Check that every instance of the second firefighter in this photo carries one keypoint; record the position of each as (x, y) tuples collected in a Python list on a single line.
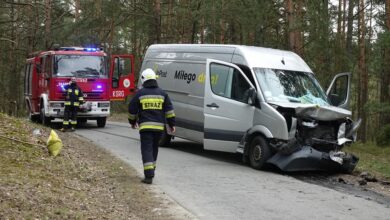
[(73, 99)]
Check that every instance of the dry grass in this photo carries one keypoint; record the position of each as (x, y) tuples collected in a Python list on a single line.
[(83, 182)]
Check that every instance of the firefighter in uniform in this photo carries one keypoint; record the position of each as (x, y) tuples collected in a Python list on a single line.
[(149, 110), (74, 97)]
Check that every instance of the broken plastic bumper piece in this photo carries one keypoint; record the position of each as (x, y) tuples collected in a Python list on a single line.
[(308, 159)]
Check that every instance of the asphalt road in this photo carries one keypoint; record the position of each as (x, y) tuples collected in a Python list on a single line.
[(214, 185)]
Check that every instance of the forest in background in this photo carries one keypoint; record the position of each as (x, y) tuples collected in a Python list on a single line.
[(332, 36)]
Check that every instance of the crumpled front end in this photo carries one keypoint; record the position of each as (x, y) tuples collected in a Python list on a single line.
[(317, 135)]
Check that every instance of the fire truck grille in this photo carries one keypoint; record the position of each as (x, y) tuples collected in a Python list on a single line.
[(89, 95), (93, 95)]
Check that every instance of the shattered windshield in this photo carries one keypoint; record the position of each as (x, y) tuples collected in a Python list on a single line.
[(81, 66), (290, 86)]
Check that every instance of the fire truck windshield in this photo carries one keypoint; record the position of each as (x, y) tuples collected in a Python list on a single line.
[(81, 66)]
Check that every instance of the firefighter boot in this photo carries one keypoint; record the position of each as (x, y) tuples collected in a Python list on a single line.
[(63, 129), (147, 180)]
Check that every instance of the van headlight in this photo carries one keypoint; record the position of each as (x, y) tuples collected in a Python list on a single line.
[(104, 105)]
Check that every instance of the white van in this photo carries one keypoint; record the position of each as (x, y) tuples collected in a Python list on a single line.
[(263, 103)]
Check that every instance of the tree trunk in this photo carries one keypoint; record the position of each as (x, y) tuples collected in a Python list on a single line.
[(202, 29), (77, 10), (339, 38), (344, 20), (134, 30), (385, 82), (195, 23), (170, 21), (294, 16), (351, 5), (298, 30), (48, 24), (157, 18), (363, 75), (30, 28), (77, 16), (112, 33), (290, 21), (339, 17)]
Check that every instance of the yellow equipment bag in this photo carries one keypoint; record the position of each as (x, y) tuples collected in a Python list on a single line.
[(54, 143)]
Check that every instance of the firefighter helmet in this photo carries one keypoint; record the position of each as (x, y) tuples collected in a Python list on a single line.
[(147, 75)]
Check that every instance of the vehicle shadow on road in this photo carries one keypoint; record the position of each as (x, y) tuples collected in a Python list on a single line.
[(197, 149), (80, 125)]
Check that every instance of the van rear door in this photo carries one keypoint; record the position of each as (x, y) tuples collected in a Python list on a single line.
[(122, 77), (227, 114)]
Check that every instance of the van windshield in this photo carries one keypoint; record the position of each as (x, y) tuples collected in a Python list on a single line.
[(290, 86), (81, 66)]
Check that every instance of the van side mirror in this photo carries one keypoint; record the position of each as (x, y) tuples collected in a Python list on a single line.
[(252, 94)]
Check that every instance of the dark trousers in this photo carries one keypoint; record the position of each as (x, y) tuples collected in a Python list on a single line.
[(149, 150), (70, 116)]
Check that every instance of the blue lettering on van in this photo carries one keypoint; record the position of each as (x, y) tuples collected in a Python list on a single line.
[(182, 75)]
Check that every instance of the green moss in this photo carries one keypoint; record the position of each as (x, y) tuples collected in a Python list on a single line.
[(372, 158), (383, 137)]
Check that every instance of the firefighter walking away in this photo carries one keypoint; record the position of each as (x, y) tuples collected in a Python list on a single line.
[(149, 110), (73, 99)]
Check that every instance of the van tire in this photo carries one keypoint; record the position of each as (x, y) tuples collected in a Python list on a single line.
[(259, 152), (101, 122), (165, 140)]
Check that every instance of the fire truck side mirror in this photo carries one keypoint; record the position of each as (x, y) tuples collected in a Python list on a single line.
[(47, 77), (39, 67), (38, 64)]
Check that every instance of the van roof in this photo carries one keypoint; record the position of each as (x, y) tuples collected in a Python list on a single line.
[(253, 56)]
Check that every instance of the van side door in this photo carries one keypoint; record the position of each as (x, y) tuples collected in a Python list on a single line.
[(227, 114), (339, 90), (122, 77)]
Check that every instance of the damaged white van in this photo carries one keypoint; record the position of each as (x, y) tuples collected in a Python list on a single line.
[(263, 103)]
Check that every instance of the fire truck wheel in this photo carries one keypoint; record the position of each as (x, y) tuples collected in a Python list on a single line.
[(101, 122), (44, 120), (259, 152), (81, 121), (32, 117)]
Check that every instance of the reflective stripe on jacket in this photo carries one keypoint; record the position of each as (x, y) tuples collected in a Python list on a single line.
[(151, 108), (73, 95)]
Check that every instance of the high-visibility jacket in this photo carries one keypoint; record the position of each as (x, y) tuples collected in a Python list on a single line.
[(151, 108), (73, 95)]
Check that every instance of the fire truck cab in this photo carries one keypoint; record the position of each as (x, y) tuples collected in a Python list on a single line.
[(46, 74)]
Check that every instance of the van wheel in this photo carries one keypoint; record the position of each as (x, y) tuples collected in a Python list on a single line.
[(165, 140), (259, 152), (44, 120), (101, 122)]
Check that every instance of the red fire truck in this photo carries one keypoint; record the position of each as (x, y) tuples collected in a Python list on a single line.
[(47, 72)]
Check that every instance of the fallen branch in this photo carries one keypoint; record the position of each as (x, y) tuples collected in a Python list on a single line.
[(20, 141), (72, 188)]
